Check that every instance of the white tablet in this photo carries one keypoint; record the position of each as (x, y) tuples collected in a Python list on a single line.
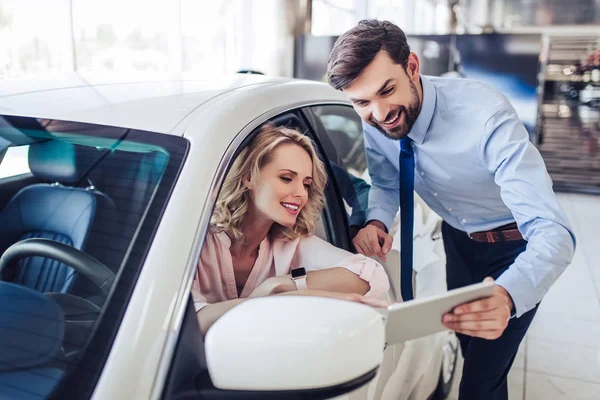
[(422, 317)]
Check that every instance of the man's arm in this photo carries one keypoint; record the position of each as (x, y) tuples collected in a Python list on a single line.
[(354, 191), (526, 188), (384, 196), (361, 201)]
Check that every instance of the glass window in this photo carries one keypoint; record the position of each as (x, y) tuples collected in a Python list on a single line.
[(35, 38), (228, 36), (14, 162), (414, 16), (342, 140), (96, 37), (514, 14), (99, 190), (334, 17), (124, 36)]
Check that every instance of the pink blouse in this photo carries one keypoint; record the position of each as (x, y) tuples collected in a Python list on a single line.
[(215, 279)]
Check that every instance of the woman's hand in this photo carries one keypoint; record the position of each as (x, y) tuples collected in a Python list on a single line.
[(274, 285), (283, 285), (355, 297)]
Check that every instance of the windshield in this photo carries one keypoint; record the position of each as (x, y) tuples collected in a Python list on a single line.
[(78, 207)]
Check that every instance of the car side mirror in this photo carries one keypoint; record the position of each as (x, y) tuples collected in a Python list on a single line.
[(295, 343)]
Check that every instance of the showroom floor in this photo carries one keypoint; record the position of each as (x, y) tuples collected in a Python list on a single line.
[(560, 356)]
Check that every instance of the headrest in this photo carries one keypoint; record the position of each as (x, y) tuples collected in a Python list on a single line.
[(58, 161)]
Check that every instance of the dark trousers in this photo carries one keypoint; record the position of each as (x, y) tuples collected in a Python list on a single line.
[(487, 362)]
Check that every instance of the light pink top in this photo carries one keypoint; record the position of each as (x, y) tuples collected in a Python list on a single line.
[(215, 280)]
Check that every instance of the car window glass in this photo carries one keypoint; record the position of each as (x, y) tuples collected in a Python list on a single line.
[(93, 190), (343, 145), (14, 162), (214, 282)]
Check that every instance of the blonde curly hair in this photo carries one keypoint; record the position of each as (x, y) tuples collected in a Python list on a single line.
[(232, 203)]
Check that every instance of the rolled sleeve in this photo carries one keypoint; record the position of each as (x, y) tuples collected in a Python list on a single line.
[(370, 271)]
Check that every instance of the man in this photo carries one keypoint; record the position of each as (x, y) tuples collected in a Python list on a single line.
[(473, 165)]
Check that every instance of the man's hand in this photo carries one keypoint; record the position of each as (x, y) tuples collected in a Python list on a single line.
[(487, 318), (373, 241)]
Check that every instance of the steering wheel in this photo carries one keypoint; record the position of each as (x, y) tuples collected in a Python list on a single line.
[(86, 265), (80, 314)]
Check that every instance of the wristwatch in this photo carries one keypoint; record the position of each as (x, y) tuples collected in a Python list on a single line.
[(299, 278)]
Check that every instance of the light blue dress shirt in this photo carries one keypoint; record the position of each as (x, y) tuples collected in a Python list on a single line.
[(476, 167)]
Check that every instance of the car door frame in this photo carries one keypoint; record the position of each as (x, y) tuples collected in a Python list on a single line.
[(389, 362), (338, 221), (336, 225)]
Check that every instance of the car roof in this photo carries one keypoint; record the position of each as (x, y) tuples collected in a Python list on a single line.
[(159, 105)]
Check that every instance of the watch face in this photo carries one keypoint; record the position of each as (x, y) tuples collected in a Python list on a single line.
[(298, 272)]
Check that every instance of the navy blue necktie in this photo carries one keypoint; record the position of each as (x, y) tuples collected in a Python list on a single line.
[(407, 183)]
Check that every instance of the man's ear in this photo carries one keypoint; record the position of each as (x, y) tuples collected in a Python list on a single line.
[(412, 66)]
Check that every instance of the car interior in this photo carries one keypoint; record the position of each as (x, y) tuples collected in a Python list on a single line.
[(66, 228)]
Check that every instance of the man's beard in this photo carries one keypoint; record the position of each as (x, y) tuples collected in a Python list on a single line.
[(411, 113)]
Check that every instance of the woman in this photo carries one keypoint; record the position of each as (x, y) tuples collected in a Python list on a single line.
[(263, 227)]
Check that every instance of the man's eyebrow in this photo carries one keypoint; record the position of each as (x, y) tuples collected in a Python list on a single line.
[(381, 89), (353, 100)]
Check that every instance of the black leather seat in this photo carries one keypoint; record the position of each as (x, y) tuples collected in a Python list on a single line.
[(56, 210)]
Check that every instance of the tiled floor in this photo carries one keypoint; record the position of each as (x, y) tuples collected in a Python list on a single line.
[(559, 358)]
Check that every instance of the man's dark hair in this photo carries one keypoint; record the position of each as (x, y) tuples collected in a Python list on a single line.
[(356, 48)]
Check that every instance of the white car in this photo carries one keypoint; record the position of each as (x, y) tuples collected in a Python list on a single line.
[(106, 192)]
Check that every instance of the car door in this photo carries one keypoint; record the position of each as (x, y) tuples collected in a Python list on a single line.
[(188, 375)]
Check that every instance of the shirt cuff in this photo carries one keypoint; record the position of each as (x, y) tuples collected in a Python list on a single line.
[(199, 306), (357, 219), (520, 291), (381, 215)]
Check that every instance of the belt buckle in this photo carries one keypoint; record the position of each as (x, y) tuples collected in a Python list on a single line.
[(490, 237)]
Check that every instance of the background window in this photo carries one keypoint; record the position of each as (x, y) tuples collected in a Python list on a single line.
[(14, 162)]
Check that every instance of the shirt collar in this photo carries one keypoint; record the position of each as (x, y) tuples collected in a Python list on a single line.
[(226, 240), (421, 125)]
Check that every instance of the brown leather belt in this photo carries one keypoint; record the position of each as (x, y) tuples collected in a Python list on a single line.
[(504, 233)]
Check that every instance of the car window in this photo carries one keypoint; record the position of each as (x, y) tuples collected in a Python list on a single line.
[(215, 282), (72, 243), (14, 162), (342, 141)]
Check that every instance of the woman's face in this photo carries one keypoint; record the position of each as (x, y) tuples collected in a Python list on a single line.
[(281, 190)]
